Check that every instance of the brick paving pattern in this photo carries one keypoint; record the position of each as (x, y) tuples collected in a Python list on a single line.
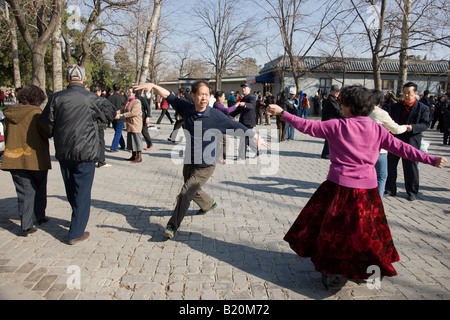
[(234, 252)]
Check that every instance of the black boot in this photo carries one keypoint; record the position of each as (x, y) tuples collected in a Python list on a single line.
[(133, 157)]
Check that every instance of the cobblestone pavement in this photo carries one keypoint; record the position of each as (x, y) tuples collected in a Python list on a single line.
[(234, 252)]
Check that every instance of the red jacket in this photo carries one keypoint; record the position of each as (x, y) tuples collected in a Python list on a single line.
[(164, 104)]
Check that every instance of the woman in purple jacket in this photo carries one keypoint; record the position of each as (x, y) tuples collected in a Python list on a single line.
[(343, 227), (220, 98)]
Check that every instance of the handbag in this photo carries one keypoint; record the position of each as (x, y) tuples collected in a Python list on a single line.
[(424, 145)]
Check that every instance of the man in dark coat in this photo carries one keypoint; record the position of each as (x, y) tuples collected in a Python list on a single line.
[(331, 110), (246, 109), (416, 116), (71, 116)]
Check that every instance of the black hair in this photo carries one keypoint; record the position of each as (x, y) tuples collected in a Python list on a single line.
[(218, 94), (116, 87), (360, 100), (198, 84), (410, 84), (95, 88), (378, 97)]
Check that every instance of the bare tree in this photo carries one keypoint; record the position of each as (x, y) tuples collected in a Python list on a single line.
[(151, 32), (421, 24), (288, 16), (45, 15), (412, 24), (11, 25), (57, 75), (374, 27), (225, 32), (92, 27)]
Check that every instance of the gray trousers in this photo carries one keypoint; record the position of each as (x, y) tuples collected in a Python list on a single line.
[(194, 179), (31, 188)]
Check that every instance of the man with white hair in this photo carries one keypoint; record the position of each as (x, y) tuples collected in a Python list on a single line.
[(71, 116)]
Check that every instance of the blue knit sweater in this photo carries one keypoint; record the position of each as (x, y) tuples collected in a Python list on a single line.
[(203, 129)]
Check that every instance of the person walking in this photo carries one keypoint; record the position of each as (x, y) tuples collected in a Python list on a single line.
[(246, 109), (414, 113), (199, 119), (445, 109), (343, 227), (305, 106), (293, 100), (71, 116), (164, 111), (133, 116), (101, 163), (27, 157), (220, 98), (119, 101), (145, 119)]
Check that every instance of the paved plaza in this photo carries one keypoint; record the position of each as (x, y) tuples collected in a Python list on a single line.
[(235, 252)]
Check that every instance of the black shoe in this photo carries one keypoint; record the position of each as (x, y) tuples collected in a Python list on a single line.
[(201, 211), (43, 220), (411, 197), (330, 280), (388, 193), (29, 231)]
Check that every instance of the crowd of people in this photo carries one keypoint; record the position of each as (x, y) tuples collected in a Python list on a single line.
[(343, 228), (8, 96)]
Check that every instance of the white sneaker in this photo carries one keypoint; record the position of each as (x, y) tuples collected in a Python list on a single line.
[(106, 165)]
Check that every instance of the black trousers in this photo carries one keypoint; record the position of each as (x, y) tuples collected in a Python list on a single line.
[(325, 150), (101, 147), (31, 188), (164, 112), (410, 174), (146, 134)]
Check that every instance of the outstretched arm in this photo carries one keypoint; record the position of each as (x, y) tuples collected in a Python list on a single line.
[(151, 86)]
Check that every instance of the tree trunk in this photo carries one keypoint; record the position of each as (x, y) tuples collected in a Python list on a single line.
[(14, 48), (376, 72), (37, 46), (15, 56), (38, 64), (149, 40), (403, 59), (218, 86), (57, 59)]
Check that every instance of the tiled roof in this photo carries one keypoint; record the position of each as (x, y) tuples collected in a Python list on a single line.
[(337, 65)]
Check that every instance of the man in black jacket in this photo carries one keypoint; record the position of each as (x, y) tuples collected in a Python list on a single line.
[(246, 109), (119, 101), (71, 116), (416, 116), (331, 110)]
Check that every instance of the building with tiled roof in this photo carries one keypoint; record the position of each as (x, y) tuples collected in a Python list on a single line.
[(322, 72)]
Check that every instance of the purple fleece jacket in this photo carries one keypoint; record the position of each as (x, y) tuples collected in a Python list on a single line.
[(355, 144)]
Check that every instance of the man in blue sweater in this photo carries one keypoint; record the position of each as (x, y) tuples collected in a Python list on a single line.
[(202, 123)]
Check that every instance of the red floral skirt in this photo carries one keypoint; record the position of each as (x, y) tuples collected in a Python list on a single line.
[(344, 231)]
